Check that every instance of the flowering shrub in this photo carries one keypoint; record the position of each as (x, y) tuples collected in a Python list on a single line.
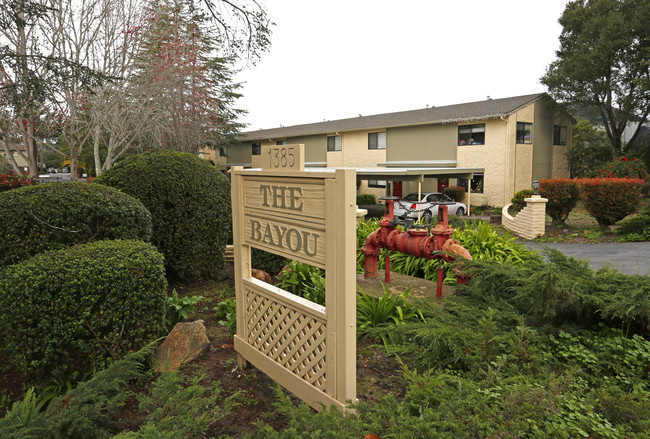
[(609, 200), (13, 181), (562, 194), (623, 167)]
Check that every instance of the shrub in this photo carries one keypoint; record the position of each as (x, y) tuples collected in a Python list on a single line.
[(562, 194), (517, 200), (637, 228), (13, 181), (268, 262), (366, 199), (189, 201), (69, 312), (623, 167), (609, 200), (52, 216), (88, 411), (456, 193)]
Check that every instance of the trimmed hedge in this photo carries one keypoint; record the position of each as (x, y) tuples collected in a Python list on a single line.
[(456, 193), (52, 216), (67, 313), (563, 195), (189, 201), (366, 199), (609, 200)]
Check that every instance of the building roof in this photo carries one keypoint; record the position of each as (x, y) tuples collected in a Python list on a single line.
[(471, 111)]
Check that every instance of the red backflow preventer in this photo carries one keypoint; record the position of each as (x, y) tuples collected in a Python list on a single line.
[(420, 242)]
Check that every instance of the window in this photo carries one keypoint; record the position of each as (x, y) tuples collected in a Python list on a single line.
[(524, 132), (438, 198), (281, 142), (256, 149), (476, 184), (559, 135), (222, 152), (376, 183), (376, 140), (471, 134), (334, 143)]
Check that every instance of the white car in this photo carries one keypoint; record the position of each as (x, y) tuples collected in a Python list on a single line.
[(427, 206)]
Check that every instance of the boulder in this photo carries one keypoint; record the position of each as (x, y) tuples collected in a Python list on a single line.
[(261, 275), (184, 344)]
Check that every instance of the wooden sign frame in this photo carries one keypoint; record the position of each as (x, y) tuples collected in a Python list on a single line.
[(307, 215)]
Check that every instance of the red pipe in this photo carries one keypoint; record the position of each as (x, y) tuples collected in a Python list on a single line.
[(415, 242)]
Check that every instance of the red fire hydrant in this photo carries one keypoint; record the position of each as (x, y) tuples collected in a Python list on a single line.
[(417, 242)]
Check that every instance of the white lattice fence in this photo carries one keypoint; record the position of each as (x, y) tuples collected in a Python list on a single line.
[(287, 334)]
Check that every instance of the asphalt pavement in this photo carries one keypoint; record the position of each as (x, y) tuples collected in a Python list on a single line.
[(626, 257)]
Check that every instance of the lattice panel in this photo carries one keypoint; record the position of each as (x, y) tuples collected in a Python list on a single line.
[(288, 336)]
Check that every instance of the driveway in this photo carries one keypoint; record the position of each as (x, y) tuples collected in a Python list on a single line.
[(626, 257)]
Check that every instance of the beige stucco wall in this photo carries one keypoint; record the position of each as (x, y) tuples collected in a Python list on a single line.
[(524, 171), (492, 156), (355, 153)]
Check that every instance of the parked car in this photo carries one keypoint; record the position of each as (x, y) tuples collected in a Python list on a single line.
[(427, 206)]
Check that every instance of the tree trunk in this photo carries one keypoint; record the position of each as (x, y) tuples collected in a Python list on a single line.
[(10, 157)]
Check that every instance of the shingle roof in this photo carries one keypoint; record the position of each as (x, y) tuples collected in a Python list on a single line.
[(488, 109)]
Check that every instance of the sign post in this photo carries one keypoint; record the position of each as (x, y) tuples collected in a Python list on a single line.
[(306, 215)]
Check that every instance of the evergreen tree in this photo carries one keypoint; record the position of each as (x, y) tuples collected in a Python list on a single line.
[(186, 84), (603, 63)]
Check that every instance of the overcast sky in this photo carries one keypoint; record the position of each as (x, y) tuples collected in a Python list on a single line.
[(334, 59)]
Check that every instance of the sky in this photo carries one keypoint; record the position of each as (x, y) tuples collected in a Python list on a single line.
[(337, 59)]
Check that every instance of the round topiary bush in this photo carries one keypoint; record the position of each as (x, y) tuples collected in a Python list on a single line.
[(609, 200), (562, 194), (52, 216), (189, 201), (67, 313)]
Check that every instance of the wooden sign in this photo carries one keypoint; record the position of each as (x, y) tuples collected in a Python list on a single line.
[(285, 158), (308, 216)]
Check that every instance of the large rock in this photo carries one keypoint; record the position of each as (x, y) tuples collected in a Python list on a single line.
[(183, 345), (261, 275)]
